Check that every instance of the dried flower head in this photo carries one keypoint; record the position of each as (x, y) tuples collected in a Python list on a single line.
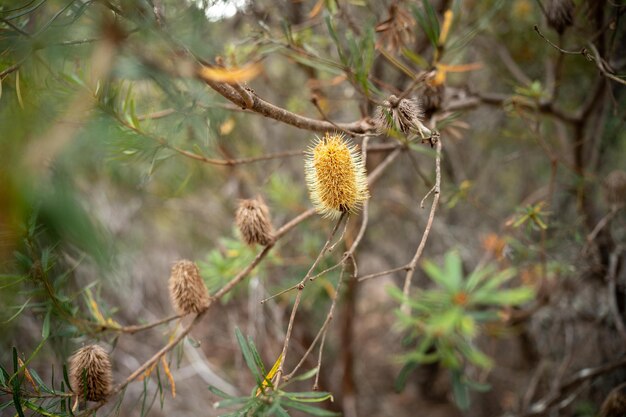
[(403, 114), (560, 14), (253, 221), (615, 403), (187, 290), (615, 187), (90, 373), (397, 30), (335, 175)]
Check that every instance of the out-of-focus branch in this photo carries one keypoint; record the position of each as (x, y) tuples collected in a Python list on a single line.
[(272, 111)]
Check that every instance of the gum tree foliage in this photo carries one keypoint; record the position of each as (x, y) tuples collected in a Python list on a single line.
[(464, 286)]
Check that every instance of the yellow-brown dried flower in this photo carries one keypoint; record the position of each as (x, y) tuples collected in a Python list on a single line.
[(335, 175), (187, 289), (90, 373), (253, 221), (403, 114)]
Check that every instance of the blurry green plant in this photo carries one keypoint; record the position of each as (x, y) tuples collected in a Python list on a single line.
[(532, 215), (265, 399), (445, 321), (229, 258)]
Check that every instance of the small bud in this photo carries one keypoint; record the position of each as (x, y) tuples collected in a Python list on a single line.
[(335, 175), (403, 114), (187, 290), (253, 221), (615, 188), (615, 403), (560, 14), (90, 373)]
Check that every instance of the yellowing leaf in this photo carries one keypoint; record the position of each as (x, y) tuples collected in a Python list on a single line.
[(166, 368), (94, 309), (227, 126), (270, 375), (316, 9), (231, 75), (445, 28), (18, 91)]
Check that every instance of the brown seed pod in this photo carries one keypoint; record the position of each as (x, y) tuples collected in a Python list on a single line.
[(187, 290), (560, 14), (615, 403), (253, 221), (615, 188), (90, 373)]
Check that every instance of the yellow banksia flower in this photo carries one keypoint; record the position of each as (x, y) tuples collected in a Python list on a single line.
[(90, 373), (187, 289), (335, 175)]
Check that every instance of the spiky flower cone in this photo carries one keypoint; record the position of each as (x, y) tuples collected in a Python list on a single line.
[(90, 373), (615, 187), (560, 14), (335, 175), (615, 403), (187, 290), (253, 221)]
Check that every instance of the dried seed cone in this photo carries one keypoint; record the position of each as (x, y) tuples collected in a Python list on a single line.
[(90, 373), (615, 403), (560, 14), (187, 289), (403, 114), (335, 176), (615, 187), (253, 221)]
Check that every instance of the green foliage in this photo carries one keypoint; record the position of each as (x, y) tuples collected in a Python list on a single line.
[(446, 320), (228, 259), (266, 399)]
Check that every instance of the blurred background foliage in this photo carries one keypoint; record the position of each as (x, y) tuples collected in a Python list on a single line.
[(100, 110)]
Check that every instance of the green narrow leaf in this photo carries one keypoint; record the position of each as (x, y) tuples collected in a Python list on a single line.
[(403, 375), (219, 392), (45, 331), (66, 379), (16, 402), (314, 411), (15, 364), (460, 391), (453, 266), (248, 356)]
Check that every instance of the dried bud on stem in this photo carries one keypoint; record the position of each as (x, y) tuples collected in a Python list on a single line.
[(615, 188), (560, 14), (403, 114), (90, 373), (335, 175), (187, 290), (253, 221)]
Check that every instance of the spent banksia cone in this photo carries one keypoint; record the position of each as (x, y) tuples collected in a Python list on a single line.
[(615, 403), (253, 221), (335, 175), (615, 188), (403, 114), (90, 373), (560, 14), (187, 289)]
